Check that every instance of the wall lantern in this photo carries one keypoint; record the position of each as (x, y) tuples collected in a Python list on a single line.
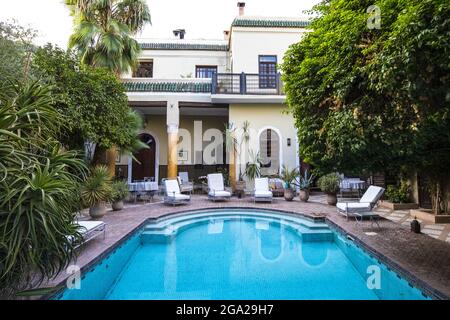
[(289, 142)]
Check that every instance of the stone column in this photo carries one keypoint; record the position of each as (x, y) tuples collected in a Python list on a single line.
[(173, 120)]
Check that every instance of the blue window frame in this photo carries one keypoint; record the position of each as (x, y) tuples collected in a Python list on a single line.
[(205, 71), (267, 71)]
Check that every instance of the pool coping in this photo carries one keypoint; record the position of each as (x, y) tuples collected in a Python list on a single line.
[(390, 263), (420, 284)]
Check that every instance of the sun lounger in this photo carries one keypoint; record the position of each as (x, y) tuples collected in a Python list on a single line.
[(363, 207), (216, 187), (262, 192), (173, 194)]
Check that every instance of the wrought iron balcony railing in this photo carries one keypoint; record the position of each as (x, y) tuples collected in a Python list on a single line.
[(221, 83), (247, 83)]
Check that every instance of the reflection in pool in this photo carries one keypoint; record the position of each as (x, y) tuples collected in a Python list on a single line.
[(238, 255)]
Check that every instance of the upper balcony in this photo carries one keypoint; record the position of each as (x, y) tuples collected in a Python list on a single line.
[(247, 84), (222, 88)]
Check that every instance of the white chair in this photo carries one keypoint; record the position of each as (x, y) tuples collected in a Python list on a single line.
[(185, 184), (216, 187), (173, 194), (90, 230), (362, 207), (262, 192)]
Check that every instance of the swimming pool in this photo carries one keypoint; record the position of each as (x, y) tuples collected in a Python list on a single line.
[(240, 254)]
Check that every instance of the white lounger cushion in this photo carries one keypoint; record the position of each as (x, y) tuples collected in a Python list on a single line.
[(263, 194), (88, 226), (172, 187), (173, 190), (262, 188), (353, 206), (219, 193), (179, 196), (372, 195), (261, 184), (215, 182)]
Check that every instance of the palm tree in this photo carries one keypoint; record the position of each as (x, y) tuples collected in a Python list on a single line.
[(104, 29), (103, 37)]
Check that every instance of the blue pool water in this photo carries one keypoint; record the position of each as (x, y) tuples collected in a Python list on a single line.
[(239, 255)]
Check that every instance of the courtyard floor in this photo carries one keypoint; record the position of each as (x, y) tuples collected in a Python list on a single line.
[(422, 259)]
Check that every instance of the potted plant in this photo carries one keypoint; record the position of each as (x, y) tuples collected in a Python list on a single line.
[(96, 191), (329, 184), (119, 193), (253, 167), (289, 176), (305, 183)]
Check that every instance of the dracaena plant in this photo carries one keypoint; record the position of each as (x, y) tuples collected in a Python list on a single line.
[(39, 189)]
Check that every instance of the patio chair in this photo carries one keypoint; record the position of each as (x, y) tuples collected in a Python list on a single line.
[(185, 184), (362, 207), (216, 187), (262, 192), (172, 193), (91, 230)]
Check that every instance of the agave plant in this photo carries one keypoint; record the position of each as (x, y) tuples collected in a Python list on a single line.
[(306, 181), (39, 183), (97, 188)]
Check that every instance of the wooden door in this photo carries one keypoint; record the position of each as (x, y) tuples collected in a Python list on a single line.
[(145, 168)]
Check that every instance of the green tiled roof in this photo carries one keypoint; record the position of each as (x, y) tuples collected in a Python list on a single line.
[(196, 87), (183, 46), (269, 23)]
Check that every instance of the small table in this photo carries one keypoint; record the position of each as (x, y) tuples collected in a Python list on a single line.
[(143, 188)]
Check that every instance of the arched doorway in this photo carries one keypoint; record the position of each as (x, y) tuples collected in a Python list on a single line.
[(269, 151), (145, 168)]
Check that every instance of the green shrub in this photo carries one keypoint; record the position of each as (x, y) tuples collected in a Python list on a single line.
[(329, 183), (119, 191), (399, 193)]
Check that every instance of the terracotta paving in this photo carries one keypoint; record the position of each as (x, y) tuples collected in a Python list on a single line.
[(422, 260)]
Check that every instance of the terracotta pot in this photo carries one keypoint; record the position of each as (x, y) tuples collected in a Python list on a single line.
[(289, 194), (304, 195), (98, 210), (117, 206), (331, 199)]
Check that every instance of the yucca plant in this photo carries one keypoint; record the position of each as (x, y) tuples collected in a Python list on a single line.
[(39, 189), (97, 190), (253, 167)]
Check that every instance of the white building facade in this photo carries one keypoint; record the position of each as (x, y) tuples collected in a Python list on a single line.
[(189, 91)]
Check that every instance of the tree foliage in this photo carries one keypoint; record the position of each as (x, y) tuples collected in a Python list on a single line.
[(15, 51), (104, 29), (373, 99), (92, 99)]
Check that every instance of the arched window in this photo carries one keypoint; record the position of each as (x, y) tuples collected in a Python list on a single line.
[(269, 150)]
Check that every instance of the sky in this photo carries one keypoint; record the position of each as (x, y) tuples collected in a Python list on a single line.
[(202, 19)]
